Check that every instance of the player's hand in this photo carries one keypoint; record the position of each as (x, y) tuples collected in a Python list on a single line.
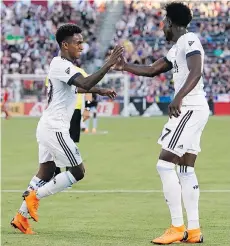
[(119, 66), (108, 92), (116, 53), (174, 107), (86, 115)]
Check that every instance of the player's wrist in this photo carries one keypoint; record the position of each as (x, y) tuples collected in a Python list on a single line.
[(108, 65), (125, 66), (178, 97)]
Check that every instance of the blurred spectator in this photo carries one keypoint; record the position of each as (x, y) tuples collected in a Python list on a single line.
[(28, 32), (139, 30), (28, 39)]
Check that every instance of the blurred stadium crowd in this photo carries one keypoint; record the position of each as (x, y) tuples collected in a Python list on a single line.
[(28, 39), (139, 30)]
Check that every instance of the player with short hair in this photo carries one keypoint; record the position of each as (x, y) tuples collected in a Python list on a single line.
[(55, 145), (188, 112)]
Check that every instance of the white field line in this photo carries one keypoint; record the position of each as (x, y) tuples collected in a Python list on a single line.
[(116, 191)]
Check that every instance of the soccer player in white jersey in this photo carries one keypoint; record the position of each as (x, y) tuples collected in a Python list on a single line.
[(188, 115), (56, 148)]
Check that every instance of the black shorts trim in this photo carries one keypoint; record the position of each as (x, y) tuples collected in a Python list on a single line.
[(70, 82), (195, 52), (179, 130), (66, 149)]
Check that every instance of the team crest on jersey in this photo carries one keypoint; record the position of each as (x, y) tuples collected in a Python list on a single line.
[(67, 70), (77, 152), (190, 43)]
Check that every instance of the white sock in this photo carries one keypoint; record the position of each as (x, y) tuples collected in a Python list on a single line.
[(190, 195), (172, 191), (95, 122), (58, 184), (87, 123), (34, 184)]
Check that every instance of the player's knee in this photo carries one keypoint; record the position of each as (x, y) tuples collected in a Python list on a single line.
[(163, 166), (168, 156), (46, 171), (78, 172)]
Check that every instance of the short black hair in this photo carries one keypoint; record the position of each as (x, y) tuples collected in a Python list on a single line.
[(179, 13), (65, 31)]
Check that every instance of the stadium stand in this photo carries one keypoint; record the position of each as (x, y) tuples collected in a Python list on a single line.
[(28, 39), (139, 30)]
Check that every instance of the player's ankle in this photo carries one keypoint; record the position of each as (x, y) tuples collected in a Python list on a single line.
[(178, 222), (193, 224)]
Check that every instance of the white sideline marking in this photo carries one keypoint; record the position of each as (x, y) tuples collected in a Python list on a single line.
[(97, 133), (118, 191)]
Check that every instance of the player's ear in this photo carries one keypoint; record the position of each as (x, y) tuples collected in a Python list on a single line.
[(169, 22), (65, 45)]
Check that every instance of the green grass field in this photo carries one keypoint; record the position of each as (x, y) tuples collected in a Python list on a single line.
[(124, 159)]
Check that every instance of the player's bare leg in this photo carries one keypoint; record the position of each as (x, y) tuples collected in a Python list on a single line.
[(172, 192), (4, 109), (190, 195), (45, 173), (56, 185)]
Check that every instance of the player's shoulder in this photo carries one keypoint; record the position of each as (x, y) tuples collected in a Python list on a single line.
[(59, 62), (60, 66), (189, 38)]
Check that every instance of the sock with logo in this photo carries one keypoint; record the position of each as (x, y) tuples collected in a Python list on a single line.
[(34, 184), (58, 184), (190, 194), (172, 191)]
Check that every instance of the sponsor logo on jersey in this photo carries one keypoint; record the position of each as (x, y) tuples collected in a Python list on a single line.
[(175, 67)]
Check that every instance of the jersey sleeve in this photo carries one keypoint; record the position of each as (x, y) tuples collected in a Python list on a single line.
[(82, 71), (64, 71), (192, 45), (168, 57)]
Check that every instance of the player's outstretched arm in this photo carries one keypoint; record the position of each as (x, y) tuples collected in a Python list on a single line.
[(195, 72), (162, 65), (88, 82), (100, 91)]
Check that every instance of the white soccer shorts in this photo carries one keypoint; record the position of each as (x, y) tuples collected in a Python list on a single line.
[(57, 147), (182, 135)]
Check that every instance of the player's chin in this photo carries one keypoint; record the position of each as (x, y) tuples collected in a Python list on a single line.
[(77, 55)]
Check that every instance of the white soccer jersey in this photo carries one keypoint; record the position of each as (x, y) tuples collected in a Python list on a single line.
[(187, 45), (61, 95)]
